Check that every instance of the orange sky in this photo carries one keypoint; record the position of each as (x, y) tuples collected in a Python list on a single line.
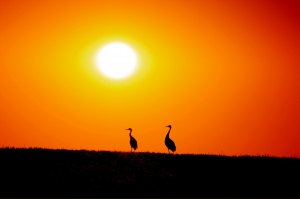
[(224, 73)]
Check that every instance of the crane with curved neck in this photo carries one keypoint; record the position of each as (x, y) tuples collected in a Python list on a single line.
[(168, 142), (132, 141)]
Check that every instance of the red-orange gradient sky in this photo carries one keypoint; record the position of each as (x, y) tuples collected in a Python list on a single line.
[(224, 73)]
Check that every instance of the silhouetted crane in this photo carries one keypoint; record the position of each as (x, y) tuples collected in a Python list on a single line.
[(168, 142), (133, 142)]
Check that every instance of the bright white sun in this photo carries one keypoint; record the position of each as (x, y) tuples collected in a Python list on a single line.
[(116, 60)]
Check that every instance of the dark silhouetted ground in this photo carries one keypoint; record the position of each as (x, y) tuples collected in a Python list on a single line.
[(66, 173)]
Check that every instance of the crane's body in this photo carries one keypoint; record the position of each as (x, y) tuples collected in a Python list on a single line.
[(168, 142), (132, 141)]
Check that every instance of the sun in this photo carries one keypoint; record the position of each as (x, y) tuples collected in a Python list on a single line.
[(116, 60)]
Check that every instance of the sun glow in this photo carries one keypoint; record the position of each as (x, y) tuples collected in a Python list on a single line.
[(116, 60)]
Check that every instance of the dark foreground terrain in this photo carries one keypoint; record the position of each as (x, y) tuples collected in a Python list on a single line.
[(65, 173)]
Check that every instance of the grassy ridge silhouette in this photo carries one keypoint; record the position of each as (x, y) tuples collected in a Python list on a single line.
[(39, 172)]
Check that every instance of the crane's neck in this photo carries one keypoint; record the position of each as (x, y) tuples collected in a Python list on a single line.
[(130, 132), (169, 131)]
